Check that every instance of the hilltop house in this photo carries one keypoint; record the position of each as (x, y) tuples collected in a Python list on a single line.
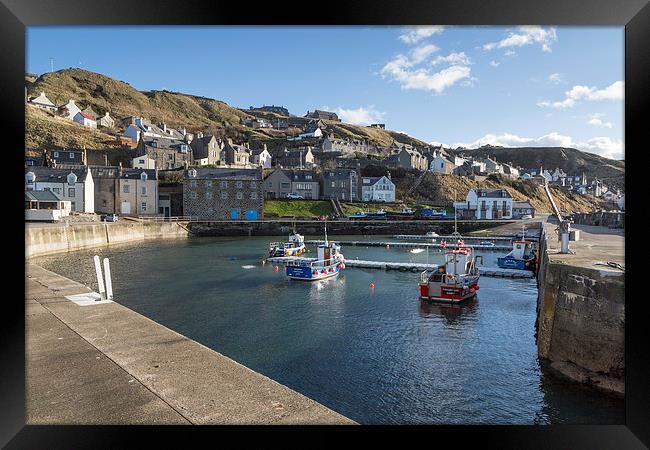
[(223, 194), (143, 162), (281, 182), (347, 146), (168, 153), (443, 164), (137, 127), (281, 110), (408, 158), (510, 172), (377, 189), (486, 204), (69, 110), (64, 158), (312, 130), (106, 121), (42, 102), (492, 166), (74, 185), (324, 115), (206, 150), (85, 119), (261, 157), (90, 112), (381, 126), (341, 184)]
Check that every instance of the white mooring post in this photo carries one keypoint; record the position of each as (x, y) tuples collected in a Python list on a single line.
[(109, 282), (100, 280)]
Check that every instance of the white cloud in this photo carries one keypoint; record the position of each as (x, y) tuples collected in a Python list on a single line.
[(403, 69), (596, 121), (469, 82), (510, 53), (555, 78), (361, 115), (494, 63), (452, 58), (525, 36), (614, 91), (416, 34), (603, 146)]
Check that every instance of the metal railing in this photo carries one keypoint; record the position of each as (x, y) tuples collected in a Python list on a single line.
[(169, 219)]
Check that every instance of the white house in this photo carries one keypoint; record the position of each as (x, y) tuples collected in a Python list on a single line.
[(486, 204), (377, 189), (106, 121), (442, 164), (69, 110), (45, 206), (143, 162), (491, 166), (261, 157), (42, 102), (85, 120), (74, 185)]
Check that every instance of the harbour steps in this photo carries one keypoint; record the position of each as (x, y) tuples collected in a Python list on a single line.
[(412, 267), (413, 245)]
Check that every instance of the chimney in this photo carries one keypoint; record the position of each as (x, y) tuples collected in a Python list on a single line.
[(119, 171), (105, 159)]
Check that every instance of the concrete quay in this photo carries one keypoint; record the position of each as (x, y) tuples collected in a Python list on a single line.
[(106, 364), (581, 307), (412, 245)]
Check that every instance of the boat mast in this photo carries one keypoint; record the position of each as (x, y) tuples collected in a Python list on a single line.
[(325, 232), (455, 215)]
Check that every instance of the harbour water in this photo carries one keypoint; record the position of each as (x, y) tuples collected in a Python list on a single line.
[(377, 356)]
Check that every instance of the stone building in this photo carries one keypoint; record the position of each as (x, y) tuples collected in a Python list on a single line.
[(341, 184), (170, 200), (223, 194), (281, 182), (236, 155), (138, 192), (168, 153), (206, 150), (105, 188), (324, 115), (300, 158)]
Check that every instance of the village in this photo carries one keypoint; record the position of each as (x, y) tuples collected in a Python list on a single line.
[(199, 176)]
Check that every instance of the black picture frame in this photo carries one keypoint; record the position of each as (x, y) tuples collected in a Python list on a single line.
[(634, 15)]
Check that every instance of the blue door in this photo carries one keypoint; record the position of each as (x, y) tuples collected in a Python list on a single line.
[(251, 214), (233, 214)]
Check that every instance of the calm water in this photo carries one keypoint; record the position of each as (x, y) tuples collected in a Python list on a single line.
[(376, 356)]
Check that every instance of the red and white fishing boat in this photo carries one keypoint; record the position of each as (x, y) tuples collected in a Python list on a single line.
[(454, 281)]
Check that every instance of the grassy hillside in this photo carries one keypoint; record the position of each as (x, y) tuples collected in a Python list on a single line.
[(297, 208), (570, 160), (440, 189), (178, 110)]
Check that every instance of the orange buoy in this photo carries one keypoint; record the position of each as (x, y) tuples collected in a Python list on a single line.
[(372, 285), (276, 268)]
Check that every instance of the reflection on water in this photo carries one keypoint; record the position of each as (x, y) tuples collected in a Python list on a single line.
[(376, 355)]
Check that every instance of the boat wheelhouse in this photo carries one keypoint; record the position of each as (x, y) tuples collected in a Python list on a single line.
[(454, 281), (328, 264), (294, 247), (522, 256)]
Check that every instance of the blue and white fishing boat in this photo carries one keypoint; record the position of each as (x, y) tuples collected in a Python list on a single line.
[(522, 256), (294, 247), (328, 264), (359, 215)]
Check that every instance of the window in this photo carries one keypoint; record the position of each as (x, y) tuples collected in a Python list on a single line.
[(240, 195), (125, 189), (192, 183), (208, 195), (224, 185), (171, 157), (192, 194), (103, 202), (56, 190), (71, 155), (208, 183), (144, 190), (141, 161), (73, 206), (270, 184), (144, 206), (240, 184), (56, 154), (46, 189), (71, 192), (224, 195), (285, 185), (253, 184), (253, 195)]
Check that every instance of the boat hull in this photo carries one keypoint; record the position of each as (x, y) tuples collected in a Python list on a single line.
[(307, 273), (447, 293), (512, 263)]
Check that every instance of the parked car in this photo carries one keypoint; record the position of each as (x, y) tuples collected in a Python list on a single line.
[(293, 196), (109, 217), (526, 216)]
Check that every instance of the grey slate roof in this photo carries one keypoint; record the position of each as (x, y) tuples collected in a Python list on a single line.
[(492, 193), (42, 196), (522, 205), (174, 144), (300, 175), (224, 173), (56, 175), (135, 173)]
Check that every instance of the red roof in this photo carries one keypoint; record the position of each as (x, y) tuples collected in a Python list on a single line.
[(87, 116)]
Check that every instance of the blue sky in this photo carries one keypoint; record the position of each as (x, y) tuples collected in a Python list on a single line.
[(511, 86)]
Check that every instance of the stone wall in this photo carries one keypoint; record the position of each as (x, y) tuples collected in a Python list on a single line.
[(601, 218), (580, 325), (204, 200), (311, 227), (47, 240)]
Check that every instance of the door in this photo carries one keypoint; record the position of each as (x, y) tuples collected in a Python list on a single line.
[(251, 214), (125, 208), (234, 214)]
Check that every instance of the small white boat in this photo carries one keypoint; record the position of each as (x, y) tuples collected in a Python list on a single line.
[(328, 264), (294, 247), (432, 234)]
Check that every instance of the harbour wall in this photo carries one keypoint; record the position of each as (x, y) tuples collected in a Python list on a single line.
[(336, 227), (51, 239), (580, 325)]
